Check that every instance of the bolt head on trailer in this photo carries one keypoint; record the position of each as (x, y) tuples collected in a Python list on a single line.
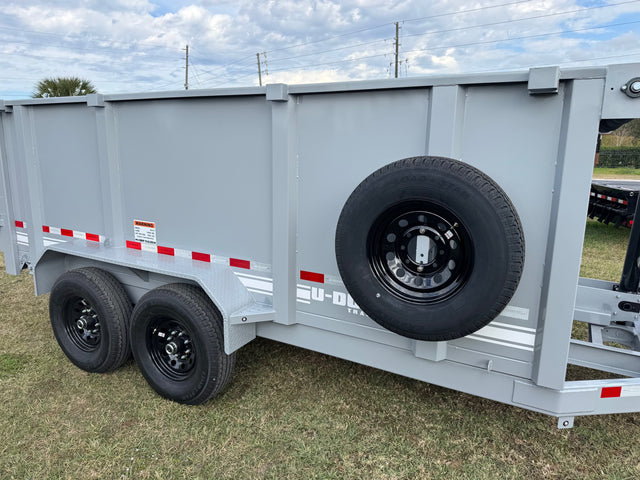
[(431, 227)]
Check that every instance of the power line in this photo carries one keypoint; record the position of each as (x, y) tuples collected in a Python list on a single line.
[(563, 63), (524, 37), (79, 38), (252, 74), (471, 10), (392, 23), (517, 20), (221, 67), (444, 31), (196, 74), (66, 58), (602, 58), (87, 49), (331, 50), (468, 44)]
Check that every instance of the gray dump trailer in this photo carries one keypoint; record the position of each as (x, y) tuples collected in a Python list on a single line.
[(430, 227)]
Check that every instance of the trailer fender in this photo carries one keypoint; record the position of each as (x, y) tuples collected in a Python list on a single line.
[(430, 248), (139, 274)]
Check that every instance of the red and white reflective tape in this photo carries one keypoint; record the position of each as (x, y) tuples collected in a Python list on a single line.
[(611, 199), (21, 237), (311, 276), (620, 391), (322, 278), (200, 256), (65, 232)]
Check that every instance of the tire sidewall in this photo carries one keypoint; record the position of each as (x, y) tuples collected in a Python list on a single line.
[(155, 305), (63, 292)]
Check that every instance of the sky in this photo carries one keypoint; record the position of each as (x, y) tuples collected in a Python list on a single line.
[(139, 45)]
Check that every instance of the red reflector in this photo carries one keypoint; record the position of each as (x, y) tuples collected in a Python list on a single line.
[(630, 222), (611, 392), (93, 237), (203, 257), (19, 224), (45, 229), (66, 233), (311, 276), (166, 251), (134, 245), (235, 262)]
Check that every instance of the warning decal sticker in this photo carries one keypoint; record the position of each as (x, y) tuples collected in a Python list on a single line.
[(144, 231)]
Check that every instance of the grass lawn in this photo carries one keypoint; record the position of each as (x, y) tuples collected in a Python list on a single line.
[(619, 173), (289, 413)]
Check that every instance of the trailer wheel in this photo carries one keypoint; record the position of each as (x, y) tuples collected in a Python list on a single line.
[(430, 248), (90, 311), (177, 342)]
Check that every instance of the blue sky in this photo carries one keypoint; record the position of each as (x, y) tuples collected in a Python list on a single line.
[(138, 45)]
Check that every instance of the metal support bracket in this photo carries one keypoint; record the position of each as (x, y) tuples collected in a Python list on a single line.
[(565, 422), (95, 100), (544, 80), (278, 92), (255, 313), (434, 351)]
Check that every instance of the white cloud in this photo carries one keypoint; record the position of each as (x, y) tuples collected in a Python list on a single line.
[(137, 45), (306, 76)]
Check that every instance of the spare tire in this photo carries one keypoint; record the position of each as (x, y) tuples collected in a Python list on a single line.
[(430, 248)]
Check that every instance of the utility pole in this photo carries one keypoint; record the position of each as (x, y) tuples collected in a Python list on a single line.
[(259, 69), (186, 68), (397, 45)]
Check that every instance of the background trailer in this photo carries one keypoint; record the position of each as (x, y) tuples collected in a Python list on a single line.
[(430, 227)]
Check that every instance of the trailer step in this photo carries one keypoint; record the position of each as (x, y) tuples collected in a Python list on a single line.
[(254, 313)]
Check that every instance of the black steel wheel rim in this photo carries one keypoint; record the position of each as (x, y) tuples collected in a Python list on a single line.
[(171, 349), (420, 252), (82, 325)]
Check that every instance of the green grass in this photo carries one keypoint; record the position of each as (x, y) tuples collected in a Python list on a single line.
[(289, 413), (620, 173), (604, 250)]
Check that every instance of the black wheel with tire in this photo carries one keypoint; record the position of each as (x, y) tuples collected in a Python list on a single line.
[(89, 311), (430, 248), (177, 342)]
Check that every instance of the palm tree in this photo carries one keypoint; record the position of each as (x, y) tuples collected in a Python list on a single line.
[(63, 87)]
